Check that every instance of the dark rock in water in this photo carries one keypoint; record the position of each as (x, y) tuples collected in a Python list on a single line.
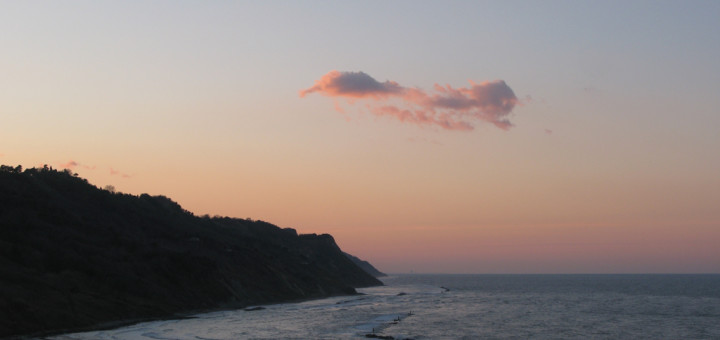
[(445, 288), (73, 256), (401, 294), (366, 266), (375, 336), (252, 309)]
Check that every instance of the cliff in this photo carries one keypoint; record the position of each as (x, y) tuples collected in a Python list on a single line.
[(366, 266), (75, 256)]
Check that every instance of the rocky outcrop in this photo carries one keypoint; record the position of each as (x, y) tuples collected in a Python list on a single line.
[(75, 256)]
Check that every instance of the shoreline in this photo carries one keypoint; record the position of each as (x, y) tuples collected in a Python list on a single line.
[(178, 316)]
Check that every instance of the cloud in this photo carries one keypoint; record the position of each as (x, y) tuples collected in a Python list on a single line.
[(114, 172), (421, 117), (353, 85), (73, 164), (446, 107), (69, 165)]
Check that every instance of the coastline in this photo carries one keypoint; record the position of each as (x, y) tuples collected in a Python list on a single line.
[(59, 335), (468, 306), (84, 258)]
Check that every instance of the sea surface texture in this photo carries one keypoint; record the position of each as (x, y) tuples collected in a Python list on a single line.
[(472, 307)]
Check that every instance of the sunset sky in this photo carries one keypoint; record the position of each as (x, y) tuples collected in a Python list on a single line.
[(438, 137)]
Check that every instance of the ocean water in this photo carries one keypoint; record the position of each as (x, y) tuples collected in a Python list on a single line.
[(472, 307)]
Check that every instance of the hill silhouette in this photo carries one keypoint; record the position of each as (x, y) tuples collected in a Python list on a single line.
[(74, 256), (366, 266)]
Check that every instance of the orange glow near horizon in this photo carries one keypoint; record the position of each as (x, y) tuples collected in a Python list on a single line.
[(537, 249)]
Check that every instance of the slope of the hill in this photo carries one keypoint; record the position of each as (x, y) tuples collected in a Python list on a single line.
[(366, 266), (74, 256)]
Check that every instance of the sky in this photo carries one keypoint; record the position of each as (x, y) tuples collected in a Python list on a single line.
[(425, 136)]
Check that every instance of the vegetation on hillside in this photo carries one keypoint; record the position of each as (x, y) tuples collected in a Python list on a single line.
[(73, 255)]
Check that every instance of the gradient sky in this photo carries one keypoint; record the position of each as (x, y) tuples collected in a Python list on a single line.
[(609, 163)]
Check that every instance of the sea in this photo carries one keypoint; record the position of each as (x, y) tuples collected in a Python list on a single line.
[(416, 306)]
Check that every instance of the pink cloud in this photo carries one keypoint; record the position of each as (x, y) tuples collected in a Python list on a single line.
[(446, 107), (73, 164), (114, 172), (354, 85), (69, 165)]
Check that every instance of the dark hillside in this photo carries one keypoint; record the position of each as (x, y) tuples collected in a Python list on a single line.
[(366, 266), (74, 256)]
